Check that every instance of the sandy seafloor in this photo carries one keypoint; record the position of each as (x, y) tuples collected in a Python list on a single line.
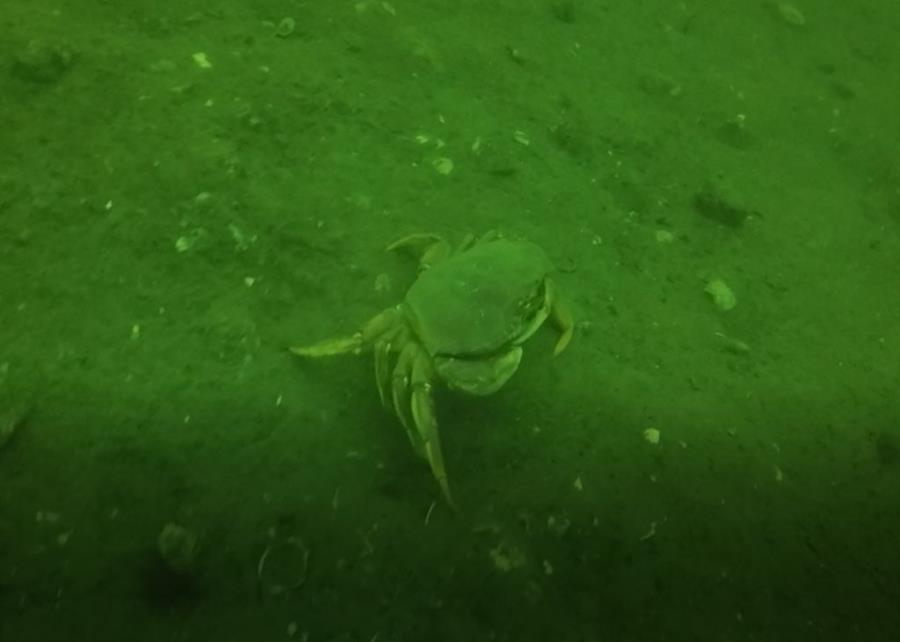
[(187, 189)]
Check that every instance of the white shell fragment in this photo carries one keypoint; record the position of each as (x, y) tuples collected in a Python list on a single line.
[(521, 137), (201, 60), (285, 27), (442, 165), (721, 294), (664, 236)]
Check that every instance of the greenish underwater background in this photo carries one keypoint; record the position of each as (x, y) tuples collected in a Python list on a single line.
[(187, 189)]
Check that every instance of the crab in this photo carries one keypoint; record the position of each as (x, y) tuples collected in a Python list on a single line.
[(462, 323)]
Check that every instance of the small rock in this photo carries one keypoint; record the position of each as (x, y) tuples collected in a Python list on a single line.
[(664, 236), (721, 294), (177, 547)]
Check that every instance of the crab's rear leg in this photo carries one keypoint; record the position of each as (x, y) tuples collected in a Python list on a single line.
[(430, 248), (400, 393), (426, 424), (560, 317), (390, 342)]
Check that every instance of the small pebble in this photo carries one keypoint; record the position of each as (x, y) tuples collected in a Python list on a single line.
[(664, 236), (721, 294)]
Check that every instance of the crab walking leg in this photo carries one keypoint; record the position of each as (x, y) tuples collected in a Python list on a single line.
[(383, 370), (382, 323), (466, 244), (431, 248), (487, 237), (391, 341), (423, 414), (400, 390), (329, 347), (561, 317)]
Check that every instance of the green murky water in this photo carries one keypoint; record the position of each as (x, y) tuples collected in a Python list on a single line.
[(187, 190)]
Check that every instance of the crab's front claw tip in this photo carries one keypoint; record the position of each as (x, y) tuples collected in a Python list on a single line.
[(562, 342), (445, 491)]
